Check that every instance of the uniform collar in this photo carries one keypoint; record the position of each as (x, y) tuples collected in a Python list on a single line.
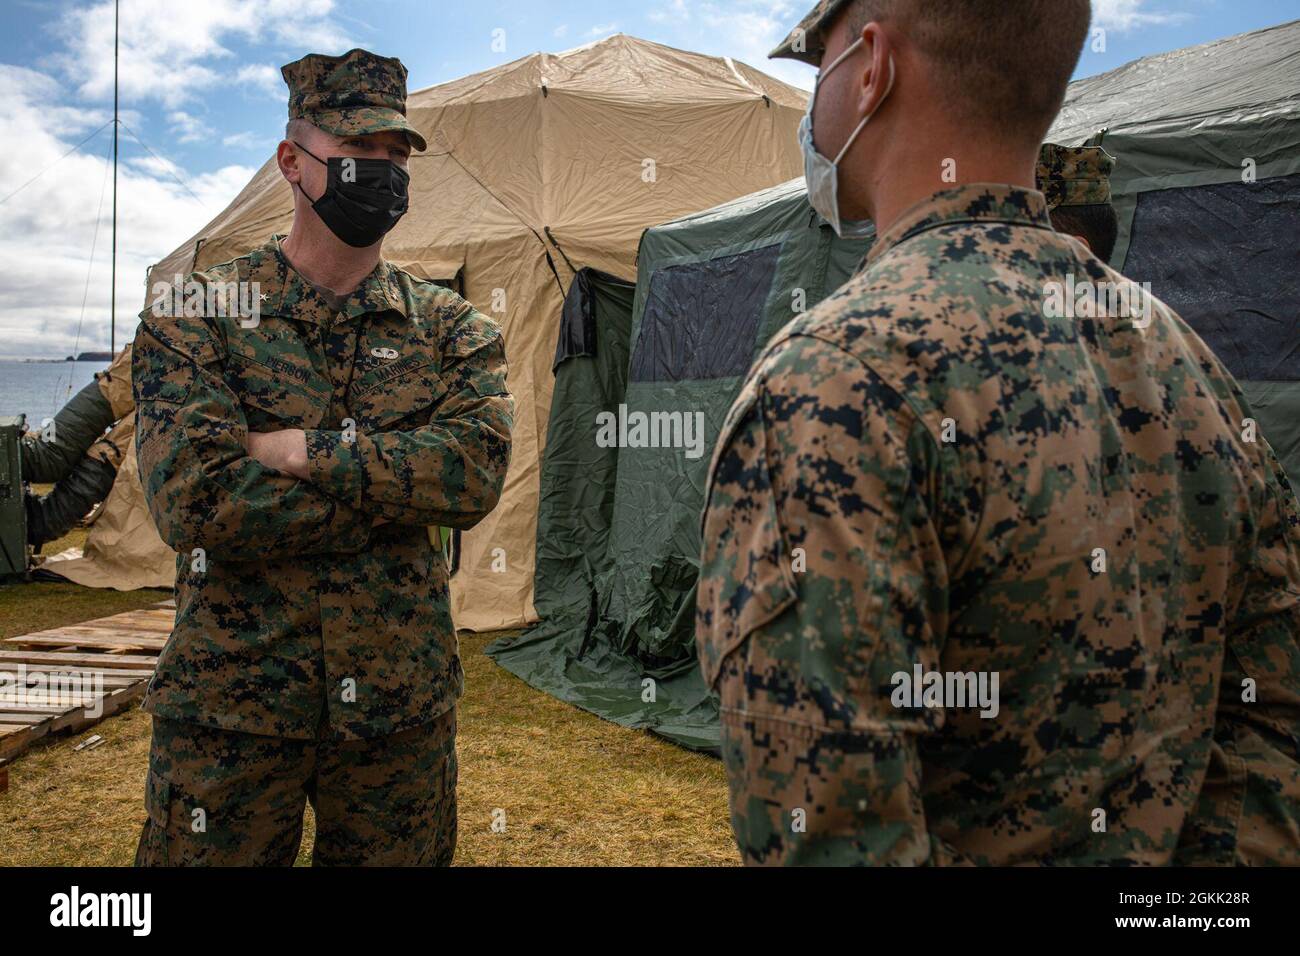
[(976, 202), (284, 291)]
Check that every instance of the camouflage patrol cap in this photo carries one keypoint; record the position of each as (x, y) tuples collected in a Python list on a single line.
[(1074, 175), (805, 41), (350, 95)]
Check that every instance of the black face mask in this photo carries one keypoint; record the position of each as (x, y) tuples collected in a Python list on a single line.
[(363, 199)]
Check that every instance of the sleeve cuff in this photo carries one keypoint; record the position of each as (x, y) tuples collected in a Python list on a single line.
[(334, 466)]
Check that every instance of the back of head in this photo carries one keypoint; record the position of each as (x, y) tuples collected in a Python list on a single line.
[(1095, 223), (1001, 66)]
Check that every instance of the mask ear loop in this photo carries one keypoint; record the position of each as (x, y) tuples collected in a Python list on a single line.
[(888, 89), (315, 157), (308, 152)]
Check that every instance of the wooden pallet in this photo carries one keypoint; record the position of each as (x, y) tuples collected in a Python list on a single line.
[(101, 667)]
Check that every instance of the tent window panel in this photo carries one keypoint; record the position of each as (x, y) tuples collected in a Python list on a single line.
[(1225, 257), (701, 318)]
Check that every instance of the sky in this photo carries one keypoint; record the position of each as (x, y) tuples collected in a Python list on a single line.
[(203, 106)]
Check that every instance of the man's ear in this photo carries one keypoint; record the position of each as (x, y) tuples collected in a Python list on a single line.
[(287, 158), (877, 73)]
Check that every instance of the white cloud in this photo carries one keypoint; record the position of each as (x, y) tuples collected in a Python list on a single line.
[(249, 140), (46, 229), (674, 12), (745, 30), (602, 30), (171, 52), (262, 77), (173, 55), (156, 166), (187, 127), (28, 85), (561, 31), (1125, 15)]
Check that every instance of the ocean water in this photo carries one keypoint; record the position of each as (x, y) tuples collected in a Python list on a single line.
[(39, 389)]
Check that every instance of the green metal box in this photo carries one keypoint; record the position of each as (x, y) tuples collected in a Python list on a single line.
[(13, 515)]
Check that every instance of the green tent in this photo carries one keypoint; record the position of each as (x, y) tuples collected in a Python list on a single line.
[(1207, 189), (618, 531), (631, 432)]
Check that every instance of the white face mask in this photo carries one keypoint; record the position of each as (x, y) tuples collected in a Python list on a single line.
[(822, 174)]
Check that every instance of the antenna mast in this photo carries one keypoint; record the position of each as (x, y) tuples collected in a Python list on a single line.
[(112, 308)]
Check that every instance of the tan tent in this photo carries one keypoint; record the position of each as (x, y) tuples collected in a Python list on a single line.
[(550, 163)]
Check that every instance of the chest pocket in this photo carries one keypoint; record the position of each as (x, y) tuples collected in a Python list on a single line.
[(400, 394), (276, 391)]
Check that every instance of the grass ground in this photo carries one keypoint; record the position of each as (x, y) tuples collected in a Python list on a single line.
[(576, 789)]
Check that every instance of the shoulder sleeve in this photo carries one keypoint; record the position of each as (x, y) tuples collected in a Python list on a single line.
[(191, 336), (821, 577), (473, 352)]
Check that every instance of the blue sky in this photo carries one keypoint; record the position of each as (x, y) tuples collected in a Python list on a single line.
[(201, 87)]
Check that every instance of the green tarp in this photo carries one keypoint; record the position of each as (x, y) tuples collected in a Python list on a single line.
[(577, 485), (618, 527)]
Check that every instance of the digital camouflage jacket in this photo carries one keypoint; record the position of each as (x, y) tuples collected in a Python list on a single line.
[(296, 614), (935, 473)]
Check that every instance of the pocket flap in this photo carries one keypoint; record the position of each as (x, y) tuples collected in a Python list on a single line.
[(379, 399), (159, 373), (468, 337), (486, 374)]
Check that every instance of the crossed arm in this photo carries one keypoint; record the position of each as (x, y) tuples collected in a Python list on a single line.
[(284, 450), (212, 483)]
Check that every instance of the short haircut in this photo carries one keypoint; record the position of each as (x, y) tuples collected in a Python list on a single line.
[(1095, 222), (297, 128), (1003, 65)]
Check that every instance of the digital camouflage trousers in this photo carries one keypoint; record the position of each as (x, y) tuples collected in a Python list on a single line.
[(221, 798)]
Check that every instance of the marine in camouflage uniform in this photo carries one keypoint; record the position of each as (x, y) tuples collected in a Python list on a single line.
[(82, 464), (313, 655), (1075, 180), (1073, 175), (924, 470)]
